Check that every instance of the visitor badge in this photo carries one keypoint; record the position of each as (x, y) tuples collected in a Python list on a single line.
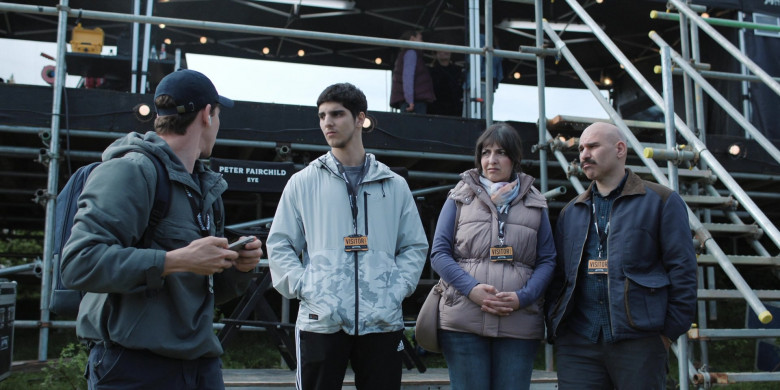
[(597, 267), (355, 243), (501, 253)]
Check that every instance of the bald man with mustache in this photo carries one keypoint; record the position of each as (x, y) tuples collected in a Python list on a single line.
[(625, 280)]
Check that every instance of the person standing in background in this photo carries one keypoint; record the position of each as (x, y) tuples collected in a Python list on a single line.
[(447, 80), (412, 87)]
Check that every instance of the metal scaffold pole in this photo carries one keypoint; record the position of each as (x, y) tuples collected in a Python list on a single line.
[(728, 46), (722, 101), (488, 104), (51, 186), (262, 30), (542, 121), (772, 232)]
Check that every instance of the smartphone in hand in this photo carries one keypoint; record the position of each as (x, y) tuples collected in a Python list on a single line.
[(238, 245)]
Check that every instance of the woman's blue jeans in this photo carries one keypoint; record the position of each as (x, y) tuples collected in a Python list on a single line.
[(490, 363)]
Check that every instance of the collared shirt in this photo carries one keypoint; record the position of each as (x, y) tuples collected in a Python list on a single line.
[(591, 313)]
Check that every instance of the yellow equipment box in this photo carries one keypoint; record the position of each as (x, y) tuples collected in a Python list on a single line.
[(87, 40)]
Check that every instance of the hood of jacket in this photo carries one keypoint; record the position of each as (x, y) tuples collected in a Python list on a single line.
[(152, 143), (376, 171)]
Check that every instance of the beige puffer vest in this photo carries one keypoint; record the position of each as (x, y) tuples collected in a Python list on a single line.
[(476, 231)]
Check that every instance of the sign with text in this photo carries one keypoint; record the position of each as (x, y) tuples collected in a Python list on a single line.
[(253, 176)]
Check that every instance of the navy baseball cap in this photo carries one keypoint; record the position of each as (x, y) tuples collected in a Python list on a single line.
[(191, 90)]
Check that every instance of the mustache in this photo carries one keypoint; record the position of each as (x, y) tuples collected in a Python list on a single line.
[(589, 161)]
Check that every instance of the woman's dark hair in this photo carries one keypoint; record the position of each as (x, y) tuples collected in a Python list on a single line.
[(506, 137)]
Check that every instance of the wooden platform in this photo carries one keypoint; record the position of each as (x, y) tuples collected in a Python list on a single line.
[(432, 379)]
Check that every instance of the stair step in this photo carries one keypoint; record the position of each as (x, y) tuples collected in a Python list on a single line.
[(682, 173), (720, 334), (770, 295), (741, 260), (710, 201), (733, 229)]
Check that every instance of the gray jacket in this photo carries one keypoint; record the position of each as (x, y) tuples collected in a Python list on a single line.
[(170, 316), (337, 288)]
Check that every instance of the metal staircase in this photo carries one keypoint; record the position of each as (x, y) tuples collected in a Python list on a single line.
[(716, 216)]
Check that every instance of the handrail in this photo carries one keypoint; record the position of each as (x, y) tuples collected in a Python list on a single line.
[(717, 22), (261, 30), (701, 233), (719, 75), (728, 46), (718, 98), (705, 155)]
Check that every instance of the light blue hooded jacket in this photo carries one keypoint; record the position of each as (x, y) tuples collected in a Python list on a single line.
[(312, 219)]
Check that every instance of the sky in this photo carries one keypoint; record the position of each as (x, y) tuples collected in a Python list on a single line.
[(289, 83)]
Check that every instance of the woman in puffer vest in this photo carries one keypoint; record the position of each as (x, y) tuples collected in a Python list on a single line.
[(494, 251)]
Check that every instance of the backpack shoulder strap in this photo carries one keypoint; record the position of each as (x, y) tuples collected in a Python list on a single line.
[(67, 204), (162, 193), (160, 207)]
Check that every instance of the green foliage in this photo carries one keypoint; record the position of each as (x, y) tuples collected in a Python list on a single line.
[(251, 350), (23, 380), (24, 243), (67, 371)]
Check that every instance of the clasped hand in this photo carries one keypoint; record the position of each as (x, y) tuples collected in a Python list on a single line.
[(209, 255), (493, 301)]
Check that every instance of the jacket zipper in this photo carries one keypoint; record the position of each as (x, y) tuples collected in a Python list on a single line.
[(574, 285), (355, 256), (612, 320)]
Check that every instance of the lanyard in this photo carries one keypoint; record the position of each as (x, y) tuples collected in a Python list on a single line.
[(198, 214), (503, 212), (350, 189), (602, 235)]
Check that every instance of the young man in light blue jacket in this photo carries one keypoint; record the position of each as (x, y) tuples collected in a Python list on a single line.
[(363, 246)]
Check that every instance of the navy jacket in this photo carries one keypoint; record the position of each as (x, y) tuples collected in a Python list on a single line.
[(652, 263)]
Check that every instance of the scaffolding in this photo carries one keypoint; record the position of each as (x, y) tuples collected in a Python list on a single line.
[(673, 64)]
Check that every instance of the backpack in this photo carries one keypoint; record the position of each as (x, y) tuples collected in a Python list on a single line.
[(65, 301)]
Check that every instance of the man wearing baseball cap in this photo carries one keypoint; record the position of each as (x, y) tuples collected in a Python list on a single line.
[(150, 286)]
